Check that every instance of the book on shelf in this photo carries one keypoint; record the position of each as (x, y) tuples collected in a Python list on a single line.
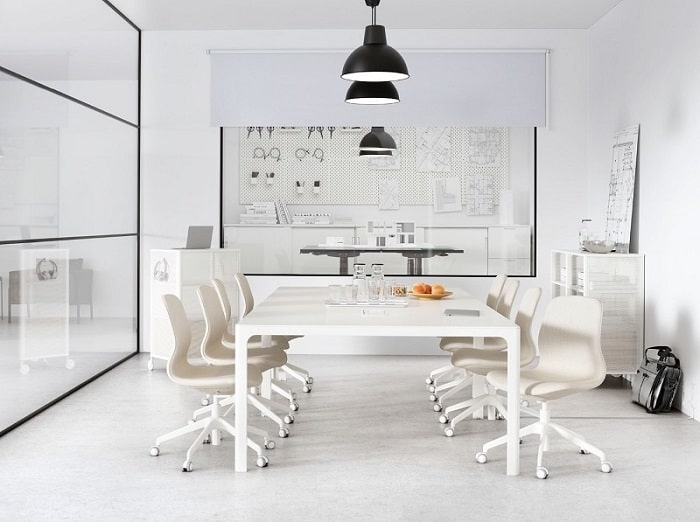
[(259, 213)]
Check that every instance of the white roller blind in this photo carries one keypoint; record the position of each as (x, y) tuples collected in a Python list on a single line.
[(457, 88)]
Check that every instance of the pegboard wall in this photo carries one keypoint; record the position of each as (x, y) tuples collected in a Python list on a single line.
[(321, 165)]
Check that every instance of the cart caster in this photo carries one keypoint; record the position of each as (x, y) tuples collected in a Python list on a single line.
[(24, 369), (150, 365), (155, 451), (70, 364), (433, 397), (449, 432), (606, 467), (294, 406), (541, 472), (481, 458), (187, 466), (306, 388), (283, 433), (269, 444), (262, 461), (437, 407), (288, 419)]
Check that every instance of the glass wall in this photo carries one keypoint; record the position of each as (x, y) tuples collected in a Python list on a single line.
[(68, 198)]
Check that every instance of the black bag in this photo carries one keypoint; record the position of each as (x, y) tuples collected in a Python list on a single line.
[(657, 379)]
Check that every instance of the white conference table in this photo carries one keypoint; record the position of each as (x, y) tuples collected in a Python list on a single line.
[(303, 311)]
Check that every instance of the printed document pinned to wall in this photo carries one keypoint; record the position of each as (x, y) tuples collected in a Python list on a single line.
[(447, 195)]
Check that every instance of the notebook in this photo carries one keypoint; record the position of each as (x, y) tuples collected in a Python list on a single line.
[(199, 237)]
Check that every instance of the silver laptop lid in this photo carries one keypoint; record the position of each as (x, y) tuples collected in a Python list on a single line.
[(199, 236)]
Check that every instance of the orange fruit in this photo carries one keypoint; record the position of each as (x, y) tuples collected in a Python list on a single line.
[(438, 289), (428, 288), (419, 288)]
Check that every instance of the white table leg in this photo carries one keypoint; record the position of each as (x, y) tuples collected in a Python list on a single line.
[(241, 447), (513, 444)]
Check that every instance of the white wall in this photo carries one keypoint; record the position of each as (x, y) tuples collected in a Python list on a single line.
[(644, 69), (180, 151)]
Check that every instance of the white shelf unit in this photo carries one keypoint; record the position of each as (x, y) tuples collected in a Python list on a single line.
[(617, 281), (181, 272)]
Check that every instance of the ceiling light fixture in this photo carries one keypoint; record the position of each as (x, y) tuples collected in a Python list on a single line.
[(372, 93), (377, 140), (374, 61), (375, 154)]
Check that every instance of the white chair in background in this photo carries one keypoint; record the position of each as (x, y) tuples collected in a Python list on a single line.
[(214, 380), (478, 361), (214, 351), (290, 369), (570, 361), (443, 372)]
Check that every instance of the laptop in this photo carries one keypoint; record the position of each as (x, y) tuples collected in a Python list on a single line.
[(199, 237)]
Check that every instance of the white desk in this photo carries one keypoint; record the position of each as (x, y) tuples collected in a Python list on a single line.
[(302, 311)]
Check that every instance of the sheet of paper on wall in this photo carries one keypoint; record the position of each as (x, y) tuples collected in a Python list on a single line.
[(388, 194), (618, 219), (447, 195), (433, 149)]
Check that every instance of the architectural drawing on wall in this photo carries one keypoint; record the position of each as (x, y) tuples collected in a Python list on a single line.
[(433, 149), (485, 146), (388, 194), (480, 194), (388, 163), (618, 218), (447, 195)]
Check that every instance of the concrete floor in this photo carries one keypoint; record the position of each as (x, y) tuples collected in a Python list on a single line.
[(366, 445)]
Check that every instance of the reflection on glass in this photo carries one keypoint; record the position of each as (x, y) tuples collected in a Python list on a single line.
[(70, 313)]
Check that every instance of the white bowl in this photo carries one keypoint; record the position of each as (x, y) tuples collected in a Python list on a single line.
[(598, 246)]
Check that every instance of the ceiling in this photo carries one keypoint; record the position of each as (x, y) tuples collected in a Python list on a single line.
[(164, 15)]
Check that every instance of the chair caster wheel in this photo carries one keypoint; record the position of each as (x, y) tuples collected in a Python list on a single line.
[(428, 381), (437, 407), (431, 388), (262, 461), (294, 406), (155, 451), (205, 401), (187, 466), (288, 419), (449, 432), (542, 473), (433, 397), (606, 467), (443, 419), (283, 433), (481, 457), (584, 452), (269, 444), (306, 388), (310, 380)]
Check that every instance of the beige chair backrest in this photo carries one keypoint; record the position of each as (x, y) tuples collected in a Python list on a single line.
[(524, 319), (215, 325), (505, 303), (569, 341), (223, 298), (178, 364), (246, 293), (495, 291)]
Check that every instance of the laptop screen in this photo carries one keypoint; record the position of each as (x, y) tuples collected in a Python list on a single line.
[(199, 236)]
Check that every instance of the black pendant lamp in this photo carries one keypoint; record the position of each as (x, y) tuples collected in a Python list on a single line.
[(374, 61), (377, 140), (372, 93), (375, 154)]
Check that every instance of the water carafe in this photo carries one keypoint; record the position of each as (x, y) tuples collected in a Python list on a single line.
[(359, 280), (376, 283)]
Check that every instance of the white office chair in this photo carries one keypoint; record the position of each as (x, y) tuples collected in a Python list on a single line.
[(274, 341), (215, 352), (447, 371), (294, 371), (214, 380), (570, 361), (480, 362), (504, 306)]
